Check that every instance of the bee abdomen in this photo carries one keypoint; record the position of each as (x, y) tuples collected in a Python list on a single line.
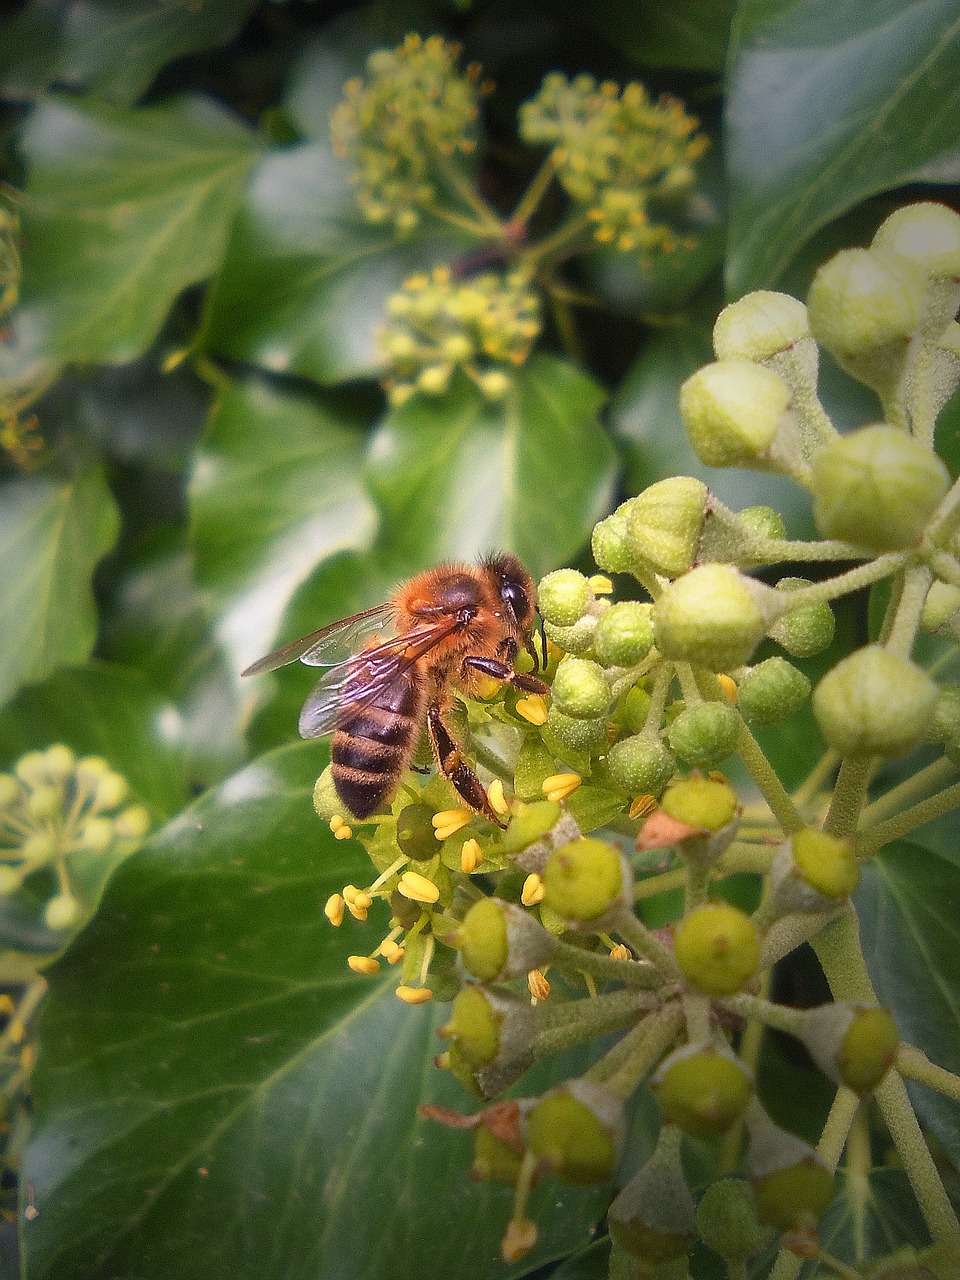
[(369, 756)]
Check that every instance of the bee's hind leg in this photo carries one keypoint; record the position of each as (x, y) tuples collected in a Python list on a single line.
[(455, 768), (502, 671)]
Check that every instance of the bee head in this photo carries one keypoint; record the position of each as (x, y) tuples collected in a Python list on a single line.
[(515, 587)]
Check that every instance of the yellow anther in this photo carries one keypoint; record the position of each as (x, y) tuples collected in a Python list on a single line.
[(365, 965), (640, 806), (343, 832), (6, 1005), (442, 1061), (498, 801), (621, 952), (336, 822), (729, 687), (16, 1030), (391, 951), (486, 686), (560, 785), (449, 821), (518, 1239), (333, 909), (28, 1056), (414, 995), (538, 984), (417, 887), (533, 709), (471, 855), (350, 891), (533, 891), (358, 913), (600, 585)]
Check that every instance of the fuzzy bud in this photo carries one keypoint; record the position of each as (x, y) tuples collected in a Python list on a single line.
[(733, 410), (489, 1028), (580, 689), (874, 702), (585, 881), (610, 543), (704, 735), (812, 871), (791, 1184), (574, 734), (927, 236), (564, 597), (664, 524), (806, 630), (727, 1220), (62, 912), (759, 326), (713, 617), (763, 522), (499, 940), (718, 948), (772, 691), (577, 1131), (641, 765), (576, 639), (941, 609), (654, 1217), (853, 1044), (624, 634), (702, 1088)]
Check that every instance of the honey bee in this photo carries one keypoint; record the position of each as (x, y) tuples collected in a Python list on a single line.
[(443, 629)]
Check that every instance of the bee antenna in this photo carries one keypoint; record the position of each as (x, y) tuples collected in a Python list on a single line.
[(543, 644)]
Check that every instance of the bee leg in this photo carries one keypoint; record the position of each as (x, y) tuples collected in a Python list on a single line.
[(500, 671), (453, 767)]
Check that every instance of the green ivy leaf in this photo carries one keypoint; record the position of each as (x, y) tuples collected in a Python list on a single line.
[(870, 1215), (830, 104), (52, 533), (207, 1059), (124, 210), (906, 904), (692, 36), (457, 475), (275, 491)]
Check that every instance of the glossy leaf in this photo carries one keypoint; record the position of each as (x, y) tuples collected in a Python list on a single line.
[(830, 104), (275, 491), (457, 476), (910, 933), (871, 1216), (52, 534), (693, 35), (208, 1058), (125, 209)]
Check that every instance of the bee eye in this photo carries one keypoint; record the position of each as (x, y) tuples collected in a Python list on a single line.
[(515, 598)]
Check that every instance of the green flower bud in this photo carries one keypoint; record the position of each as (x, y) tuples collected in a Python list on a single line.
[(853, 1044), (946, 717), (96, 835), (862, 302), (664, 524), (927, 235), (499, 940), (564, 596), (90, 770), (9, 790), (62, 912), (60, 761), (10, 879), (704, 735), (703, 1088), (624, 634), (705, 803), (812, 871), (763, 522), (580, 689), (772, 691), (791, 1184), (44, 801), (759, 326), (31, 768), (489, 1028), (416, 836), (807, 630), (610, 544), (713, 617), (132, 823), (941, 609), (495, 384), (38, 848), (733, 410), (529, 823), (112, 790), (877, 488), (633, 709), (576, 735), (718, 948), (654, 1217), (577, 1131), (641, 765), (577, 639), (727, 1220), (874, 702), (585, 880)]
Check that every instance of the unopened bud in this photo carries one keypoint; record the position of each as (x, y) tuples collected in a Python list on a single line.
[(580, 689), (853, 1044), (703, 1088), (585, 881), (772, 691), (498, 940), (563, 597), (577, 1130), (640, 764), (624, 634), (791, 1183), (733, 410), (874, 702), (718, 948), (703, 736), (804, 631), (664, 524), (714, 617)]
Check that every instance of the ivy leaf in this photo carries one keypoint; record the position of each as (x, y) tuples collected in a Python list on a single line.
[(830, 104), (275, 491), (124, 210), (208, 1058), (692, 36), (906, 904), (869, 1215), (457, 476), (52, 534)]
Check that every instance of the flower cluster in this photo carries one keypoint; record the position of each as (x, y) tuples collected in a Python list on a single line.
[(403, 125), (484, 326), (617, 153)]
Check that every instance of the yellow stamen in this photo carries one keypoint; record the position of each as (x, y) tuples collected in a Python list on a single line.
[(729, 687), (336, 822), (533, 891), (6, 1005), (350, 891), (391, 951), (518, 1239), (417, 887), (449, 821), (365, 965), (498, 801), (471, 855), (640, 806), (621, 952), (343, 833), (16, 1030), (560, 785), (486, 686), (414, 995), (333, 909), (600, 585), (358, 913), (533, 709), (538, 984)]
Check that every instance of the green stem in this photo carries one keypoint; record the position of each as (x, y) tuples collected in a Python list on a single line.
[(895, 828), (944, 565), (849, 796), (792, 931), (459, 183), (688, 684), (917, 786), (566, 235), (766, 779), (658, 700), (636, 935), (473, 227), (606, 968), (577, 1021), (774, 550), (853, 580), (779, 1016), (534, 193), (629, 1063), (915, 1065), (946, 519), (841, 1117), (906, 620), (816, 778), (664, 882)]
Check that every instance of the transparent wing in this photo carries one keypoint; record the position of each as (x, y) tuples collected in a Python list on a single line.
[(329, 645), (344, 692)]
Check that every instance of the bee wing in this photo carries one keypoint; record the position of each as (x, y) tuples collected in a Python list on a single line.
[(329, 645), (344, 692)]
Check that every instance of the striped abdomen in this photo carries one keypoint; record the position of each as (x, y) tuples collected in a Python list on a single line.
[(372, 747)]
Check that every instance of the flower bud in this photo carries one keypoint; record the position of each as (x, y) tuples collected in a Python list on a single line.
[(132, 823), (489, 1028), (564, 596), (874, 702), (733, 410), (806, 630), (585, 881), (60, 761), (9, 790), (702, 1088), (610, 543), (624, 634), (576, 639), (791, 1184), (577, 1131), (704, 735), (941, 609), (44, 801), (112, 790), (759, 326), (416, 836), (580, 689), (698, 816), (927, 235), (713, 617), (96, 835), (772, 691), (499, 940), (812, 871), (718, 948), (61, 912), (853, 1044), (11, 878), (641, 765), (763, 522), (575, 735), (877, 487), (727, 1220), (664, 524), (946, 717), (654, 1217), (633, 709)]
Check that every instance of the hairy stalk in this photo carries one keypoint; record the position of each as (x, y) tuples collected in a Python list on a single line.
[(767, 780), (917, 787), (849, 796), (915, 1065), (902, 824)]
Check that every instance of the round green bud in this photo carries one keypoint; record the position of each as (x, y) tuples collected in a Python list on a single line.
[(60, 761), (704, 735), (664, 524), (877, 487), (9, 790), (39, 847), (610, 544), (456, 348), (874, 703), (806, 630), (633, 709), (826, 863), (711, 617), (44, 801), (482, 939), (702, 1088), (946, 717), (654, 1217), (624, 634), (927, 235), (91, 769), (727, 1220), (529, 823), (641, 765), (584, 880), (31, 768), (864, 299), (416, 836), (760, 326), (61, 912), (580, 689), (763, 522), (732, 411), (474, 1026), (564, 596), (577, 639), (96, 835), (576, 735), (855, 1045), (494, 1158), (772, 691), (576, 1131), (704, 803), (434, 379), (941, 609), (132, 823), (718, 948), (794, 1198), (112, 790)]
